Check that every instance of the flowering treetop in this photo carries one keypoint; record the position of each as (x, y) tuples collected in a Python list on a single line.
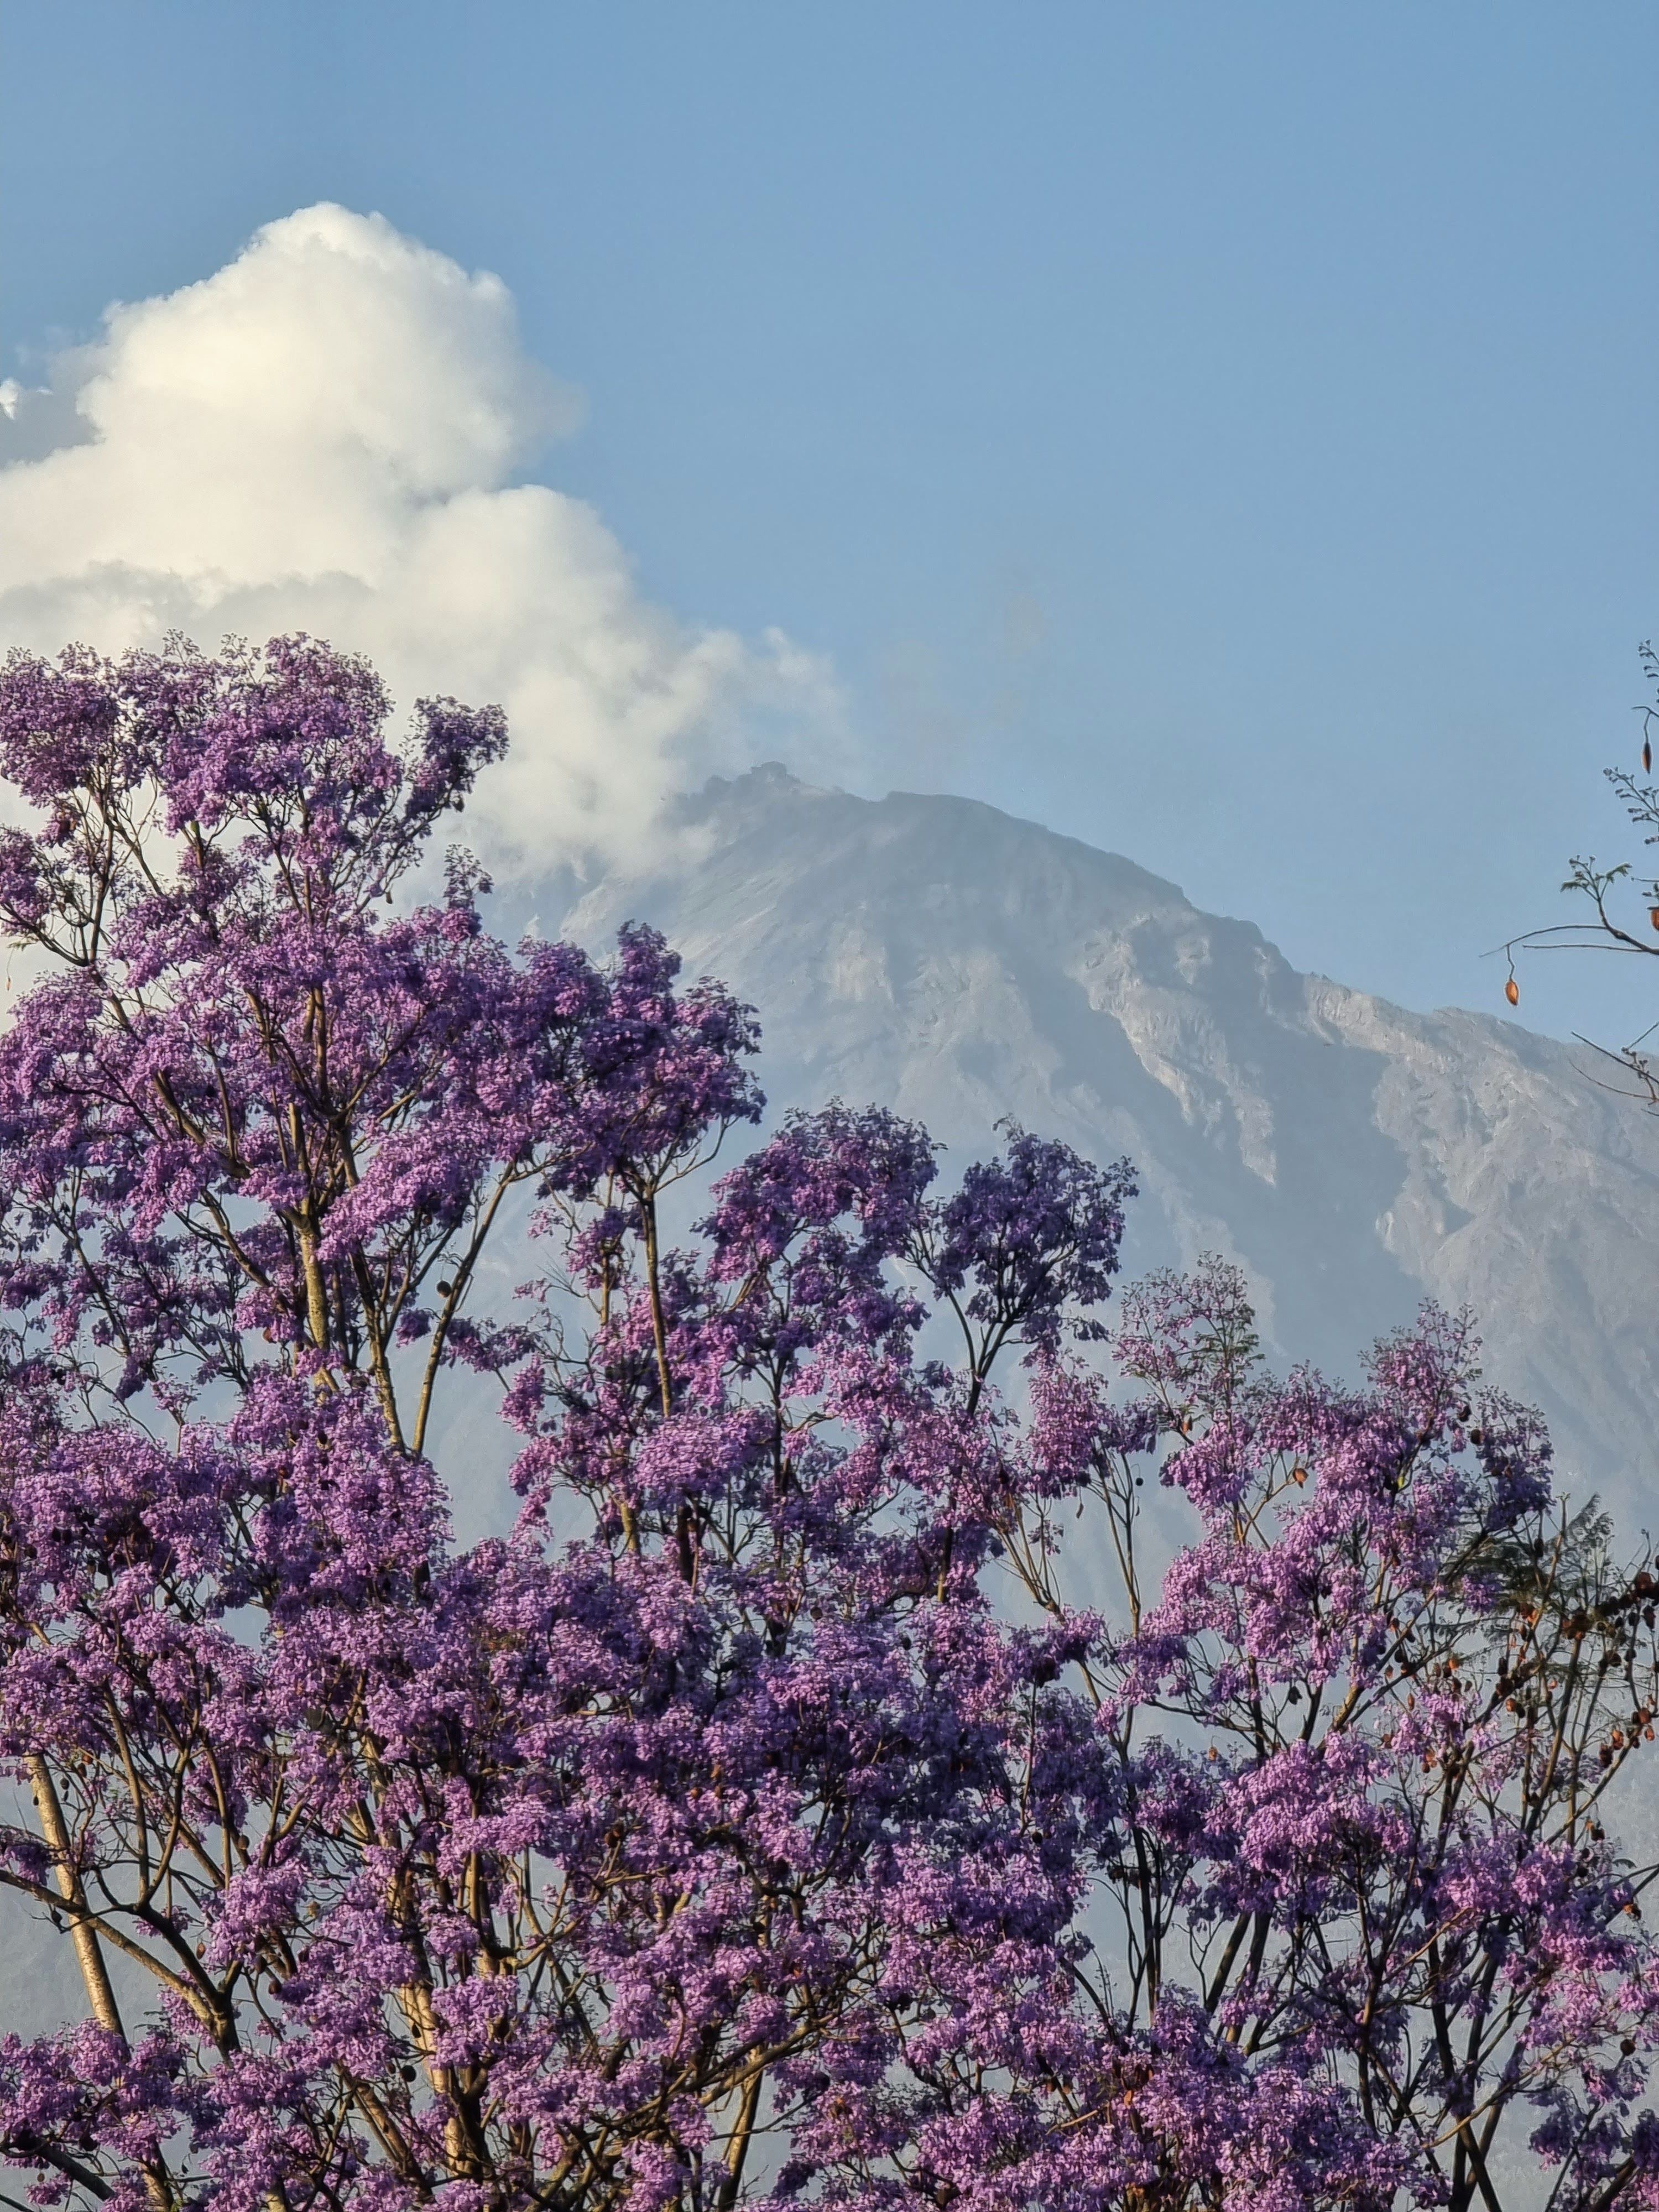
[(789, 1835)]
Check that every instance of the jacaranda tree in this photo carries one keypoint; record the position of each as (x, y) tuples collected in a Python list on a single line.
[(761, 1821)]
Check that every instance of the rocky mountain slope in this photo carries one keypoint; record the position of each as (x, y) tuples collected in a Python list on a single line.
[(942, 957)]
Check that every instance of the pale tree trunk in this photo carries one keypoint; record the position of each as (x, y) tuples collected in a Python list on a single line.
[(89, 1952)]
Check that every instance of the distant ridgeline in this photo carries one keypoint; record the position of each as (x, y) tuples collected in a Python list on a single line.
[(960, 965)]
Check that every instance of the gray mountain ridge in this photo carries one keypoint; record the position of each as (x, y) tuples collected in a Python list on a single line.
[(936, 955)]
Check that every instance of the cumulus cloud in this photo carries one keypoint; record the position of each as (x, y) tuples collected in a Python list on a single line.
[(328, 434)]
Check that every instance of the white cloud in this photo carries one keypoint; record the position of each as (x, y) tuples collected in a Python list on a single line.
[(323, 435)]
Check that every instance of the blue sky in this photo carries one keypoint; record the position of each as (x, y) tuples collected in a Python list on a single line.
[(1226, 433)]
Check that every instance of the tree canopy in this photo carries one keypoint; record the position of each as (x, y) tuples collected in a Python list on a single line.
[(763, 1820)]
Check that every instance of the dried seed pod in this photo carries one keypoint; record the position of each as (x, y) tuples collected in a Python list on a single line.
[(1513, 992)]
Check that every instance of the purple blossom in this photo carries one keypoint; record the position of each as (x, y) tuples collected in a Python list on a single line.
[(786, 1835)]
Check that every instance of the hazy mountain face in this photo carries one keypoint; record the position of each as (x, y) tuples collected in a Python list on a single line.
[(942, 958)]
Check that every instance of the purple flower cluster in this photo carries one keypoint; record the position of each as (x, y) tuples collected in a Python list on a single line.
[(789, 1835)]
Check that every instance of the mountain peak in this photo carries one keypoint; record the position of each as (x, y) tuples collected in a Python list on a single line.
[(932, 954), (935, 836)]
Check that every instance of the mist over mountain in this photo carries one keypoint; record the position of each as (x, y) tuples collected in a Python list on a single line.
[(936, 955)]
